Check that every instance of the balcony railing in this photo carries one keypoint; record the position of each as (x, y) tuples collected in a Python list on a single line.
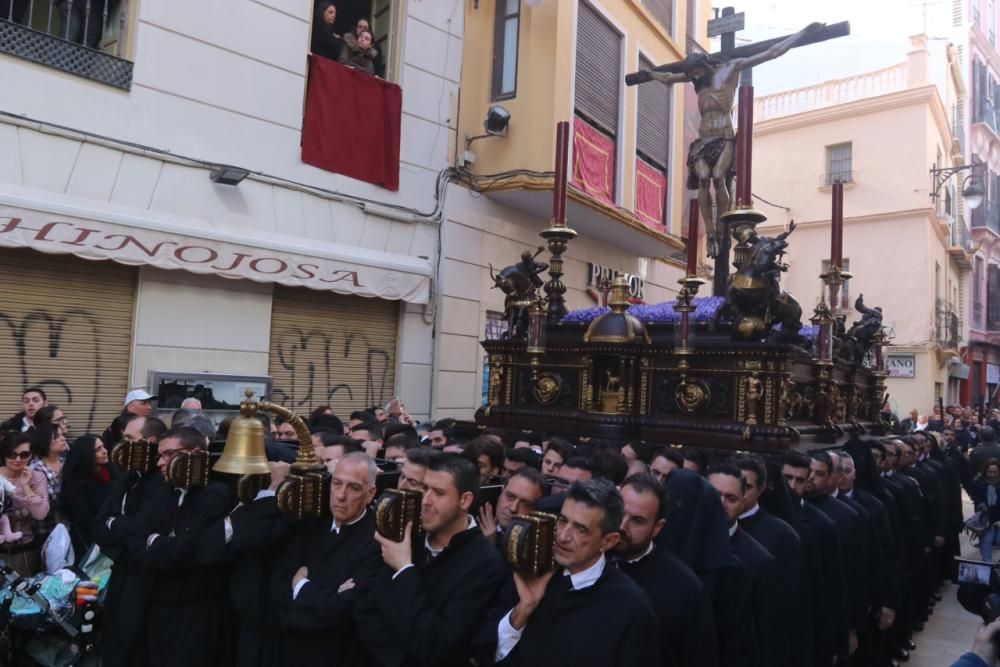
[(82, 37), (829, 93), (948, 326), (987, 216), (957, 128), (961, 237)]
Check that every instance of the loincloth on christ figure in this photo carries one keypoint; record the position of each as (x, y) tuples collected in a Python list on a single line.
[(707, 149)]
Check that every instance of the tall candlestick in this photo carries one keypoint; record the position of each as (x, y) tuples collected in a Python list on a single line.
[(559, 187), (837, 227), (744, 148), (692, 247)]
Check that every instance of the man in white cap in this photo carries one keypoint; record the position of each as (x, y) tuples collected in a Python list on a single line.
[(137, 402)]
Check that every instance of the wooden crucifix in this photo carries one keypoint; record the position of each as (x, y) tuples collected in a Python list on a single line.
[(715, 77)]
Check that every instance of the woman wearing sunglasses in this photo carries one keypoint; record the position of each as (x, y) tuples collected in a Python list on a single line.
[(30, 502)]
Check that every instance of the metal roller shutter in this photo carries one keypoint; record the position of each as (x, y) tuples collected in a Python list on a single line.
[(67, 327), (653, 120), (598, 69), (663, 10), (332, 349)]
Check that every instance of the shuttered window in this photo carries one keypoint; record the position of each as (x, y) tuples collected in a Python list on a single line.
[(67, 327), (993, 297), (692, 17), (663, 10), (653, 120), (598, 69), (332, 349)]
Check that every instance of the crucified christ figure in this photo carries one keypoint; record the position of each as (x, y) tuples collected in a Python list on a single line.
[(710, 156)]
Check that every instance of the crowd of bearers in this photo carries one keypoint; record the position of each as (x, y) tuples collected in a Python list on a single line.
[(664, 555)]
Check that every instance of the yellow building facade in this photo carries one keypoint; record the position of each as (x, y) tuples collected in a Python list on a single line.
[(570, 61), (880, 133)]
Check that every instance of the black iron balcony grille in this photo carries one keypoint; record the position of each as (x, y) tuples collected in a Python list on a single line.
[(45, 49)]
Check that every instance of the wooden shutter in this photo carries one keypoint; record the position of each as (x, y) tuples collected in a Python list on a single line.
[(598, 69), (992, 296), (652, 139), (663, 10), (67, 327), (332, 349)]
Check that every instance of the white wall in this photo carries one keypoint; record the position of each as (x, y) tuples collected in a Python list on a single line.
[(224, 81)]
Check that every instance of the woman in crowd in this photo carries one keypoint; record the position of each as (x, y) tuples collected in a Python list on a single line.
[(49, 447), (326, 42), (87, 478), (985, 492), (52, 415), (30, 503), (358, 52)]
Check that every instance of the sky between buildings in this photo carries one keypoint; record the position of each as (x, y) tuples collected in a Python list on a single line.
[(879, 36)]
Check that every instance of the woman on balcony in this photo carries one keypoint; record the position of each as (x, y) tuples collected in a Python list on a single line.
[(360, 55), (325, 42)]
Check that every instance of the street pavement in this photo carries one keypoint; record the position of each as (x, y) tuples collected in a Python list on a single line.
[(950, 630)]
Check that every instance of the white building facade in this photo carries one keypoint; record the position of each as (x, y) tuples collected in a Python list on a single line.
[(121, 257)]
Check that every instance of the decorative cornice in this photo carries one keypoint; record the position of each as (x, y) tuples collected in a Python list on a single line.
[(855, 108)]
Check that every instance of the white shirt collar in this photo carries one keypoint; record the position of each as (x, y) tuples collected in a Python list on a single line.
[(587, 578), (334, 528), (733, 528), (649, 550), (849, 494), (437, 552), (750, 512), (836, 493)]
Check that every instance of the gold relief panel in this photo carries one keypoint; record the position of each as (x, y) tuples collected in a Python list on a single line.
[(546, 388), (692, 396)]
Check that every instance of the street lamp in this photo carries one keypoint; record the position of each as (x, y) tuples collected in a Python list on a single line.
[(972, 191)]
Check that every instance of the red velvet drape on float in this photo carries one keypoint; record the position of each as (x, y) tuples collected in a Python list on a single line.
[(352, 123), (593, 161), (650, 194)]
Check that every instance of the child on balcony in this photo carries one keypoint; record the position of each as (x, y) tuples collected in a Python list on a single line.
[(358, 52)]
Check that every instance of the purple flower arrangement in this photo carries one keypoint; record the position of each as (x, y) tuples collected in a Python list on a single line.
[(705, 308), (658, 313)]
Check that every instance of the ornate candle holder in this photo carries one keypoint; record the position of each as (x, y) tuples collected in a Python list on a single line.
[(683, 333), (557, 237), (536, 335), (833, 278)]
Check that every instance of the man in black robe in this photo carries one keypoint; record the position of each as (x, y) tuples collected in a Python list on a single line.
[(695, 531), (521, 491), (728, 480), (781, 541), (853, 534), (888, 587), (585, 612), (830, 605), (188, 611), (120, 530), (328, 566), (433, 593), (247, 543), (916, 543), (687, 626), (935, 511)]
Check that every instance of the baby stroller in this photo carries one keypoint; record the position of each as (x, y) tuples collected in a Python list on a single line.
[(52, 617)]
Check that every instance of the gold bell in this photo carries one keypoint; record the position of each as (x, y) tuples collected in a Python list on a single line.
[(244, 453)]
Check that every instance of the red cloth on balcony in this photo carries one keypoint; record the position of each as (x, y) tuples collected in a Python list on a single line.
[(650, 194), (593, 161), (352, 123)]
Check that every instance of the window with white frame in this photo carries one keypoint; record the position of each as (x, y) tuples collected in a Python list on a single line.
[(839, 164)]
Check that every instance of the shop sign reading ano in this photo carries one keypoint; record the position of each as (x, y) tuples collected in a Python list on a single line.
[(902, 365), (636, 285)]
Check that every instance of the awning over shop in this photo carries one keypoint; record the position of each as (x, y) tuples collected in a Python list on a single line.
[(59, 226)]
